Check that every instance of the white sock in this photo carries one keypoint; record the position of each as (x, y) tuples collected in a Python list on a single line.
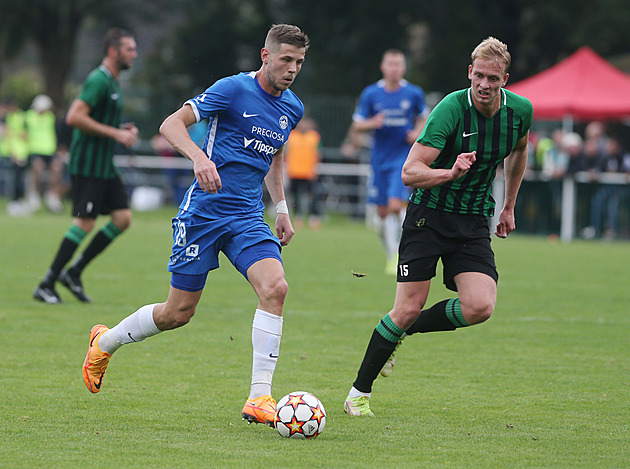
[(134, 328), (401, 219), (393, 230), (354, 392), (379, 227), (266, 335)]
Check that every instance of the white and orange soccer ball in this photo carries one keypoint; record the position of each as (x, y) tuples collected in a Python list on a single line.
[(299, 415)]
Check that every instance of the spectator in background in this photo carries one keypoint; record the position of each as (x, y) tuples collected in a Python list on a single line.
[(394, 111), (553, 156), (534, 160), (605, 202), (42, 144), (554, 163), (596, 133), (594, 157), (572, 143), (593, 161), (616, 157), (302, 158), (14, 145)]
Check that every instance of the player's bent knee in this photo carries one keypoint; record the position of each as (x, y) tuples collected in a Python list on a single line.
[(123, 223), (274, 290), (478, 314), (405, 317)]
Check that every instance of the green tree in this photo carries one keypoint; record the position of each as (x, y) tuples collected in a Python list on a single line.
[(222, 38), (54, 25)]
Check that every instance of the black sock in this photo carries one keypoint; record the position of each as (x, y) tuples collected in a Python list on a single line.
[(382, 344), (100, 241), (69, 245), (443, 316)]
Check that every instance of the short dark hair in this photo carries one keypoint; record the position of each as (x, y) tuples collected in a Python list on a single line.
[(287, 34), (113, 38), (393, 51)]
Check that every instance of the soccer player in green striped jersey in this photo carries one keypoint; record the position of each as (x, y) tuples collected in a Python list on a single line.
[(451, 168), (97, 188)]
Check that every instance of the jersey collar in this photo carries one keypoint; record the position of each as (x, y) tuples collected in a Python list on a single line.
[(470, 98), (105, 70)]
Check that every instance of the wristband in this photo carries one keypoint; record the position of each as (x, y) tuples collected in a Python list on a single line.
[(281, 207)]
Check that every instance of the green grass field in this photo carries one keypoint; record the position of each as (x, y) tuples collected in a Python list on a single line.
[(545, 383)]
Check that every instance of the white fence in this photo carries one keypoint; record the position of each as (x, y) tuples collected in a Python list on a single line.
[(343, 186), (343, 190), (568, 195)]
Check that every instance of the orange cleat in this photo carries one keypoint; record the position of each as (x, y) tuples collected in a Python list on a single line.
[(260, 410), (96, 361)]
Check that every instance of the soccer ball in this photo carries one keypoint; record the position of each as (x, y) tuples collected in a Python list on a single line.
[(299, 415)]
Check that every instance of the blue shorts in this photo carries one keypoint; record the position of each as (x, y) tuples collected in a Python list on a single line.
[(386, 184), (197, 242)]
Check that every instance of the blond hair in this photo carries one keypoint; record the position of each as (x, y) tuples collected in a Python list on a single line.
[(492, 49)]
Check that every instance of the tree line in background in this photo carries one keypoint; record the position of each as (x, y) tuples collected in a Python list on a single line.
[(216, 38)]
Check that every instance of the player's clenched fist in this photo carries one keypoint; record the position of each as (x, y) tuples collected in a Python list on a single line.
[(462, 164)]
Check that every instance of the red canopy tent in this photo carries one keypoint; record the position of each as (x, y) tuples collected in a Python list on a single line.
[(583, 86)]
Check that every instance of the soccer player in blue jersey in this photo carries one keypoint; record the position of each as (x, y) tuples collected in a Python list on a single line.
[(251, 116), (394, 111)]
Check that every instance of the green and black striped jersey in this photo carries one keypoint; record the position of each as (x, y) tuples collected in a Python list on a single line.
[(91, 155), (455, 126)]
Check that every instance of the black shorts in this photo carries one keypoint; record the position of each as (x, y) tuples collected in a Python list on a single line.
[(461, 241), (93, 196)]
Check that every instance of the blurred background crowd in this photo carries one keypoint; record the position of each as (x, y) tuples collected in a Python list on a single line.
[(48, 47)]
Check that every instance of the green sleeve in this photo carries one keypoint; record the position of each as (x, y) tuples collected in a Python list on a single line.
[(94, 89)]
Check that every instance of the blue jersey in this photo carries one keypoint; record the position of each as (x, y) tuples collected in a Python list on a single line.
[(401, 108), (247, 126)]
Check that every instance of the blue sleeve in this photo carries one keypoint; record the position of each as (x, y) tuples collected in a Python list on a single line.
[(215, 100), (364, 109), (420, 102)]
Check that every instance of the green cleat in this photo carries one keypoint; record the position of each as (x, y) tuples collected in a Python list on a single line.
[(358, 406), (388, 367)]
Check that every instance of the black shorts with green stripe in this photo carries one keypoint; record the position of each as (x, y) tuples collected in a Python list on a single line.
[(94, 196), (461, 241)]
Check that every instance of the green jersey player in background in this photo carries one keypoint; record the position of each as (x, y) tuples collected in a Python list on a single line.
[(451, 168), (97, 188)]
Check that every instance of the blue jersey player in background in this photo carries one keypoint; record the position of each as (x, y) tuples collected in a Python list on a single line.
[(250, 118), (394, 111)]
